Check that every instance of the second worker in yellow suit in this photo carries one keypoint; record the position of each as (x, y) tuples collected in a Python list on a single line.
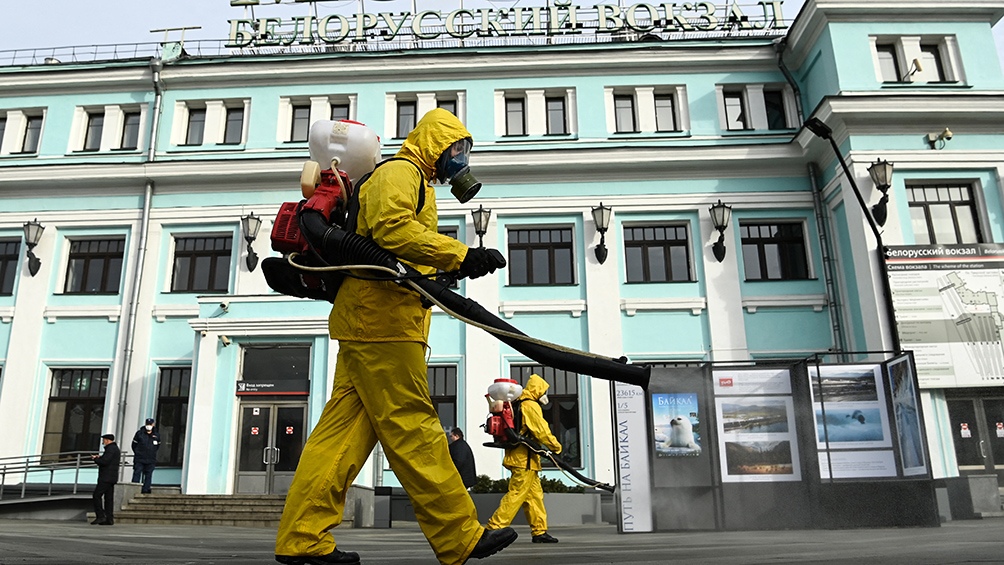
[(380, 391), (524, 484)]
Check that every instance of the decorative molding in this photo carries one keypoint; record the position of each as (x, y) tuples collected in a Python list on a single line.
[(262, 326), (164, 311), (816, 301), (6, 315), (52, 313), (511, 307), (630, 306)]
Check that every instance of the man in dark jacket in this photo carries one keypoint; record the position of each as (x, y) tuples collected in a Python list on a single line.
[(463, 457), (145, 444), (108, 475)]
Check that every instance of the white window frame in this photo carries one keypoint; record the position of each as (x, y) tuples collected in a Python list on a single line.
[(644, 107), (17, 126), (320, 109), (755, 106), (111, 134), (535, 110), (908, 49), (216, 121), (425, 101)]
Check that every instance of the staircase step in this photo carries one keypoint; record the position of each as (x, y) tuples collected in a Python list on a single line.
[(261, 511)]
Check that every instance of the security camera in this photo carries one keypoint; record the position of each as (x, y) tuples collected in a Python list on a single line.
[(225, 341), (225, 306), (947, 134), (204, 332)]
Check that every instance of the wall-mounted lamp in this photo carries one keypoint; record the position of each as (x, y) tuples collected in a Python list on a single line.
[(250, 225), (915, 68), (721, 214), (881, 173), (601, 216), (938, 140), (481, 217), (32, 235)]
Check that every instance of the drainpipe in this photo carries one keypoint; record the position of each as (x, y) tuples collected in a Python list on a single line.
[(829, 267), (779, 45), (133, 307)]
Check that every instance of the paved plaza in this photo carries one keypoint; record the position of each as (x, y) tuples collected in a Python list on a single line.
[(24, 542)]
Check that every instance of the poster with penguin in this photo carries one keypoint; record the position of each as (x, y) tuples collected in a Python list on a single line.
[(676, 425)]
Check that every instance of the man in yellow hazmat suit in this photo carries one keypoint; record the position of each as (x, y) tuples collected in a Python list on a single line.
[(524, 485), (380, 390)]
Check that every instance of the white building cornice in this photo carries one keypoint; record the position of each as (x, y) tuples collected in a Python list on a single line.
[(631, 306)]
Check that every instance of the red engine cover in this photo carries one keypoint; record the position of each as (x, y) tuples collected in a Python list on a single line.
[(286, 237)]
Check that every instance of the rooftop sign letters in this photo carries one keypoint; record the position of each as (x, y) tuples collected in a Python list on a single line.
[(562, 17)]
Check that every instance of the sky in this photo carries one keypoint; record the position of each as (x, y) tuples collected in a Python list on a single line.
[(33, 23)]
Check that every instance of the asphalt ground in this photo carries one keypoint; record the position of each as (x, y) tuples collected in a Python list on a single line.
[(78, 543)]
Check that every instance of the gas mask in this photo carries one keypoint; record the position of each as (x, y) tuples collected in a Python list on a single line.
[(452, 166), (543, 399)]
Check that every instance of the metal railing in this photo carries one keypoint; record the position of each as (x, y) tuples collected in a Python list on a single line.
[(35, 476)]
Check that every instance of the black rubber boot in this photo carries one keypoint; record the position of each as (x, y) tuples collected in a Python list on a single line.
[(492, 542), (544, 538), (336, 556)]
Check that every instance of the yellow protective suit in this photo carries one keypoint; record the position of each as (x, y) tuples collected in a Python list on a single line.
[(380, 387), (524, 484)]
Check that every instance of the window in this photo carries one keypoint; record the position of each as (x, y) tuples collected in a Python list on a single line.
[(556, 122), (339, 112), (943, 214), (541, 257), (233, 133), (76, 410), (665, 113), (930, 60), (562, 410), (774, 251), (657, 253), (624, 117), (448, 105), (917, 59), (172, 414), (95, 124), (301, 123), (9, 249), (202, 264), (196, 126), (95, 266), (515, 116), (888, 64), (773, 101), (130, 130), (450, 231), (32, 134), (443, 390), (406, 117), (735, 111)]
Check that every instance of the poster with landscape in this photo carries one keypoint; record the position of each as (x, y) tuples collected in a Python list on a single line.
[(756, 439)]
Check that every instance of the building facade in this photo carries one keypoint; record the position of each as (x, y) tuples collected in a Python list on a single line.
[(139, 298)]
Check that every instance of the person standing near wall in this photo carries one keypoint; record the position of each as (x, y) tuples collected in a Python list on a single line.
[(108, 475), (145, 443), (463, 458)]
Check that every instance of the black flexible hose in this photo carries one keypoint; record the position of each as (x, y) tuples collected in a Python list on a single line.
[(343, 248)]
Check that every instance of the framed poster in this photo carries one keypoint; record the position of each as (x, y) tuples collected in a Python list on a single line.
[(676, 424), (849, 407), (757, 439), (907, 415)]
